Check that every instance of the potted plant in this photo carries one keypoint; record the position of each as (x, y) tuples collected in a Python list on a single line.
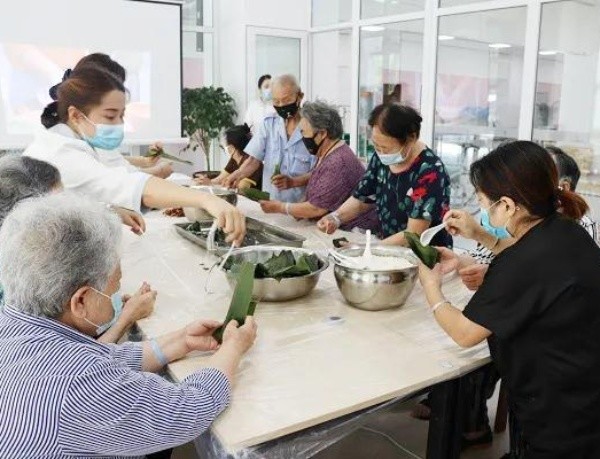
[(206, 112)]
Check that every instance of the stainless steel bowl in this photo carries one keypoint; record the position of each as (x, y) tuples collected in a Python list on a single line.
[(194, 214), (376, 290), (272, 289)]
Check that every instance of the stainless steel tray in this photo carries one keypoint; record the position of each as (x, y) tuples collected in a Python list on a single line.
[(260, 232)]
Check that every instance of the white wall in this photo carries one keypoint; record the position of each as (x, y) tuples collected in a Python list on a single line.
[(231, 20)]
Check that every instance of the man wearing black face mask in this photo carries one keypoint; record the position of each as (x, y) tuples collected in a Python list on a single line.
[(278, 145)]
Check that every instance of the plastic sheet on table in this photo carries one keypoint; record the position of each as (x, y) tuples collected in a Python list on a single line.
[(315, 358), (301, 445)]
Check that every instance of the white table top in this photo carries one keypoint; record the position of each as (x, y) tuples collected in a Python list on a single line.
[(305, 368)]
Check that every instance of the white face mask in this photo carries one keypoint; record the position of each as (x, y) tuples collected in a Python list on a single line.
[(393, 159), (266, 95)]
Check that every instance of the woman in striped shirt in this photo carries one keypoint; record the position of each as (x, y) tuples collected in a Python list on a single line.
[(64, 394)]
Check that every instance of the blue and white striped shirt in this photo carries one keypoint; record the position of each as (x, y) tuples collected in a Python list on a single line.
[(62, 394)]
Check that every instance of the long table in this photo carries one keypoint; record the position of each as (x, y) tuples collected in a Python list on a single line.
[(316, 359)]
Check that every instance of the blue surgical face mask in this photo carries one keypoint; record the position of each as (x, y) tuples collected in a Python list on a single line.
[(107, 136), (117, 304), (266, 94), (391, 159), (501, 232)]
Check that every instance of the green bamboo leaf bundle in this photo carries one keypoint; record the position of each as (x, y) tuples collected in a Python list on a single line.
[(242, 303), (427, 254), (283, 265), (255, 195)]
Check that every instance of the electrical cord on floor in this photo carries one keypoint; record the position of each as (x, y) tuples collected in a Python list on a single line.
[(391, 440)]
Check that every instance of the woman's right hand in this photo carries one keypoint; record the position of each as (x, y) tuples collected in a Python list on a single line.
[(462, 223), (229, 218), (328, 224), (241, 338), (232, 180)]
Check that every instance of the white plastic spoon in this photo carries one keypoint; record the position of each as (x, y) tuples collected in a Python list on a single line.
[(427, 235)]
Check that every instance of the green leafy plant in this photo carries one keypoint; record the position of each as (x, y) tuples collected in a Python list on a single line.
[(206, 112)]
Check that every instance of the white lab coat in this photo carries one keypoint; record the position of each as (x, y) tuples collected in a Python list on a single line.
[(256, 113), (82, 171), (114, 158)]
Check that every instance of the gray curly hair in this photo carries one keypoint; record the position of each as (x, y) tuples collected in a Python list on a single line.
[(323, 117), (53, 245)]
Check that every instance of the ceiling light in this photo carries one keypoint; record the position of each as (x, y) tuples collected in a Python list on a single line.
[(499, 45), (445, 37), (373, 28), (548, 53), (492, 97)]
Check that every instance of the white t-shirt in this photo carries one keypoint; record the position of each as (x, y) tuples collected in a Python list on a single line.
[(256, 113), (82, 171)]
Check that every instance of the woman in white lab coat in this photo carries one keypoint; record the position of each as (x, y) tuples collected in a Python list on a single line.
[(111, 158), (261, 107), (89, 115)]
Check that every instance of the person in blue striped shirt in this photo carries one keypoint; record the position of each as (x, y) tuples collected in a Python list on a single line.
[(64, 394), (22, 177)]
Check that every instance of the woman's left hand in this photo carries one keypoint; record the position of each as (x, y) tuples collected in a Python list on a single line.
[(132, 219), (449, 260), (283, 182), (271, 207), (198, 335), (431, 279)]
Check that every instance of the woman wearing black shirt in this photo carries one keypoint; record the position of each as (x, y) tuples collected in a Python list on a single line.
[(538, 306)]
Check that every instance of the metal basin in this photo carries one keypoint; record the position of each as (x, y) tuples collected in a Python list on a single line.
[(194, 214), (272, 289), (376, 290)]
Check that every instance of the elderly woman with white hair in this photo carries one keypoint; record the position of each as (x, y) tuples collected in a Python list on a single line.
[(22, 177), (74, 396), (336, 175)]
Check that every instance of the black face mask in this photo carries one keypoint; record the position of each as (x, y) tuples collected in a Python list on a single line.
[(287, 111), (311, 145)]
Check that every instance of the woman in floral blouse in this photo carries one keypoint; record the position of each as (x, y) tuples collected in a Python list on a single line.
[(405, 179)]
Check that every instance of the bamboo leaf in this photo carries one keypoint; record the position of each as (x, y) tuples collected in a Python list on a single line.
[(242, 303), (255, 195), (427, 254)]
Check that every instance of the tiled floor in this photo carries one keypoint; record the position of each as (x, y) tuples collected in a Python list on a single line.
[(390, 435)]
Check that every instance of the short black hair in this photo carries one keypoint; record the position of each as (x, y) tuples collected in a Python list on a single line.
[(262, 79), (238, 136), (566, 165), (397, 121)]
